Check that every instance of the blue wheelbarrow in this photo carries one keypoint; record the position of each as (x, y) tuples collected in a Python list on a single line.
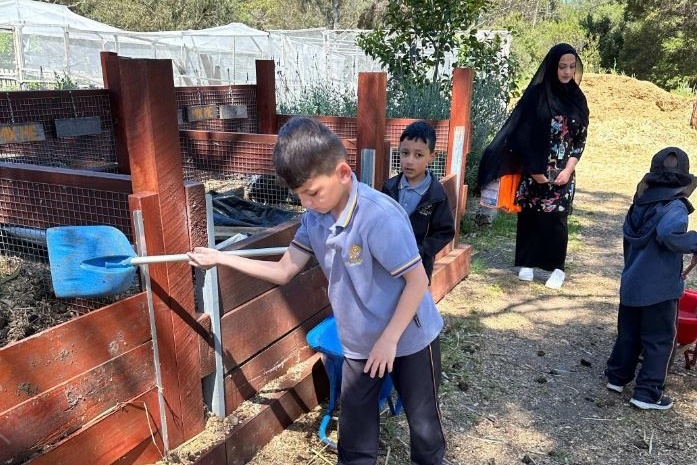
[(324, 338)]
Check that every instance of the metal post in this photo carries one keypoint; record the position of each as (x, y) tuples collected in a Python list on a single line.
[(145, 274), (368, 167), (214, 390)]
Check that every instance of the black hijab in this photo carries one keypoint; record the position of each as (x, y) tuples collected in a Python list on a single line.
[(668, 179), (522, 143)]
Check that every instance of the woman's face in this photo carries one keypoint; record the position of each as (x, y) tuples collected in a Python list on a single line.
[(566, 68)]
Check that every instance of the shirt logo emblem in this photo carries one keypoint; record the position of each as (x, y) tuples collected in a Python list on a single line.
[(355, 257), (426, 210)]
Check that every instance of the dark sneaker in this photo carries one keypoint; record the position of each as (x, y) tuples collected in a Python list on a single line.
[(663, 404), (615, 387)]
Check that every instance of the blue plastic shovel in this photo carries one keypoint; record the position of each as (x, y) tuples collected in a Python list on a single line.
[(97, 261)]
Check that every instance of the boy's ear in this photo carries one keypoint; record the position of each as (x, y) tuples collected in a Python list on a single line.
[(344, 171)]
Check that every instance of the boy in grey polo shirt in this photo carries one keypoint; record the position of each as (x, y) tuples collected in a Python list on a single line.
[(385, 316)]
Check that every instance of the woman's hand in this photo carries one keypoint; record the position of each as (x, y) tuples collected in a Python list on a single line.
[(540, 178), (562, 178)]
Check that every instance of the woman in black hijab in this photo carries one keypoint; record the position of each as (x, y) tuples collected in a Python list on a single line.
[(543, 139)]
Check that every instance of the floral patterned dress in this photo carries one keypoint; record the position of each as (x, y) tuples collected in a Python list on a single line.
[(567, 139)]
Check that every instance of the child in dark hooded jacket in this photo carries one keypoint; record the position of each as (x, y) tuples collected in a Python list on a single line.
[(655, 239)]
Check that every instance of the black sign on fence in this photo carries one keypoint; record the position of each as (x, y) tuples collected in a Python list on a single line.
[(74, 127), (233, 111)]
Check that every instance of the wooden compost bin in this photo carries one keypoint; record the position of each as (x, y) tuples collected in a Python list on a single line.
[(85, 391)]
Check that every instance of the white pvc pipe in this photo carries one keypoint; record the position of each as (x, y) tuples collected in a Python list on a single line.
[(185, 258)]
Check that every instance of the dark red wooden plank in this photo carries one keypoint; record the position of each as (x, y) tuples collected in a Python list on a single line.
[(42, 361), (149, 107), (448, 271), (66, 177), (44, 419), (176, 329), (228, 136), (459, 134), (216, 456), (372, 102), (266, 96), (244, 382), (130, 430), (112, 83), (237, 288), (281, 309), (291, 400)]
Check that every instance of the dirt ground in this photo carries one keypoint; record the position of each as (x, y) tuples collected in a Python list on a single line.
[(522, 364)]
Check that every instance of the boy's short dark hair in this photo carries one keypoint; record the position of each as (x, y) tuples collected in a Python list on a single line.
[(420, 130), (306, 148)]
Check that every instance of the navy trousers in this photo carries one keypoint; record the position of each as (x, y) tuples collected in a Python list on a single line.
[(650, 329), (416, 378)]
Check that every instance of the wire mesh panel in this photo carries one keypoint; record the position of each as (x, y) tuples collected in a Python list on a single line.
[(219, 96), (94, 151), (394, 128), (238, 162), (344, 127), (28, 207)]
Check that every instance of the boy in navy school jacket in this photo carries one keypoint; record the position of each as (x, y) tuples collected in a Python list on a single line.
[(655, 239), (420, 194)]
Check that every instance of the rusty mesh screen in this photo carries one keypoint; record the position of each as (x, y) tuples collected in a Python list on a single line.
[(243, 166), (90, 152), (28, 208), (394, 129), (218, 95), (344, 127)]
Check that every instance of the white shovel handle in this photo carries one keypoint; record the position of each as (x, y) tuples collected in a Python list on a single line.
[(185, 258)]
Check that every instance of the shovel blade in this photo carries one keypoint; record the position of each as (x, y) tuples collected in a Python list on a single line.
[(72, 251)]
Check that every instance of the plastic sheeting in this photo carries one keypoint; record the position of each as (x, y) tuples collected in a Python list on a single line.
[(231, 210)]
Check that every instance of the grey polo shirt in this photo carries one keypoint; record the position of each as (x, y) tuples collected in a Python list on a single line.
[(409, 197), (364, 255)]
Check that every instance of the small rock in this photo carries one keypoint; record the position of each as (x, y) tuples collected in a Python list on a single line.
[(585, 362), (641, 444), (540, 353)]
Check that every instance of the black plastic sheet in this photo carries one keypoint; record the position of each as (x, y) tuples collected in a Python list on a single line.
[(231, 210)]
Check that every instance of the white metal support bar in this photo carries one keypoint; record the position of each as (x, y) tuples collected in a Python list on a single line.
[(211, 306), (145, 274)]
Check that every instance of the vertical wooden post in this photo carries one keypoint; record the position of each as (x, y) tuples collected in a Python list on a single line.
[(149, 131), (459, 137), (112, 82), (266, 97), (370, 131)]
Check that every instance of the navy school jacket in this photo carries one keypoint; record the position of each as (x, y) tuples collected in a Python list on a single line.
[(432, 221)]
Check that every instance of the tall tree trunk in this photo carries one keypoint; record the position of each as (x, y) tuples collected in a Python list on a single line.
[(336, 13)]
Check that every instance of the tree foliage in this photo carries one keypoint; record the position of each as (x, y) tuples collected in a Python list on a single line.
[(660, 41), (417, 35), (158, 15)]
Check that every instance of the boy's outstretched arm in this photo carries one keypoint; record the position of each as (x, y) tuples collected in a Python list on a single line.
[(279, 272), (382, 354)]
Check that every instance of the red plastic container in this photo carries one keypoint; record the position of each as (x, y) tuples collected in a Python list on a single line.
[(687, 318), (687, 326)]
